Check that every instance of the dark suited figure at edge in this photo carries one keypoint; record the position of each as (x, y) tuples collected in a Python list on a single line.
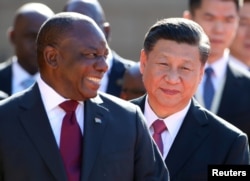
[(229, 97), (37, 126)]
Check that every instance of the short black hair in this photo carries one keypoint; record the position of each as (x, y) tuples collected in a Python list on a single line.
[(180, 30), (195, 4)]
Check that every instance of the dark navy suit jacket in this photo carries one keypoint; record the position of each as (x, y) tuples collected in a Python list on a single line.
[(117, 147), (203, 139)]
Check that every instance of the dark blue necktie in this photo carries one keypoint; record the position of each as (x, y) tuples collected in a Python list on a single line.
[(208, 93)]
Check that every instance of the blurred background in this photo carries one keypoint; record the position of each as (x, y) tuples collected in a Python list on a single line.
[(129, 20)]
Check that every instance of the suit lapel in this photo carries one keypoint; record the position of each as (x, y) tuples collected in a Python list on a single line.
[(95, 122), (35, 122), (191, 134)]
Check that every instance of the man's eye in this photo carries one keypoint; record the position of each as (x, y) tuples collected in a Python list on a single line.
[(89, 55), (185, 68), (163, 64)]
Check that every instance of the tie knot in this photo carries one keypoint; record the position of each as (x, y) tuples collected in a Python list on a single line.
[(209, 71), (159, 126), (69, 106)]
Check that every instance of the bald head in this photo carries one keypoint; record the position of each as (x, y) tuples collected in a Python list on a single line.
[(91, 8), (72, 53), (27, 22), (33, 11), (35, 8), (61, 26)]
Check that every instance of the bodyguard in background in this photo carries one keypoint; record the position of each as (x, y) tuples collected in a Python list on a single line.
[(21, 70), (224, 88), (240, 47)]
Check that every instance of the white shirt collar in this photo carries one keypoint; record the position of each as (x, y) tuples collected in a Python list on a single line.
[(50, 97), (173, 122), (19, 75)]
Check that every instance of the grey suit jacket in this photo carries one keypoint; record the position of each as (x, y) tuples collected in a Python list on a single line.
[(117, 148), (203, 139)]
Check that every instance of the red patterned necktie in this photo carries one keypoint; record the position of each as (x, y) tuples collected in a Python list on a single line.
[(159, 127), (71, 141)]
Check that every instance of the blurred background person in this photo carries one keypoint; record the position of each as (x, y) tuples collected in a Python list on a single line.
[(240, 47), (112, 80), (132, 85), (224, 89), (21, 70)]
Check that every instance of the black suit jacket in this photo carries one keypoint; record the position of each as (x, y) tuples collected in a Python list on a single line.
[(115, 76), (117, 148), (235, 100), (203, 139), (6, 76)]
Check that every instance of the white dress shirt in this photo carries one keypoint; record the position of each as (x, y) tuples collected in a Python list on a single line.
[(51, 100), (218, 80), (173, 124), (19, 75)]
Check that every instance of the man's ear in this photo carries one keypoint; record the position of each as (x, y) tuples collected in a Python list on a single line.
[(11, 35), (143, 59), (50, 56), (106, 29), (187, 15)]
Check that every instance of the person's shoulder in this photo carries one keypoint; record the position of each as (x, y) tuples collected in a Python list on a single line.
[(3, 95), (5, 64), (138, 100), (10, 100), (217, 124), (115, 102), (238, 72), (124, 61)]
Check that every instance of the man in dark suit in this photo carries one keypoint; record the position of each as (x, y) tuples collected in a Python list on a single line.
[(231, 98), (17, 73), (112, 80), (190, 137), (71, 51)]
